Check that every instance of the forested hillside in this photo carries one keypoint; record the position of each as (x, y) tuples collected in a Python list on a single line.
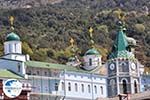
[(47, 28)]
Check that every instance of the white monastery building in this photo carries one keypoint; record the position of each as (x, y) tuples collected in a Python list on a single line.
[(51, 81)]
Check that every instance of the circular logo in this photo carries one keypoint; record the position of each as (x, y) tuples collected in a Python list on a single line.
[(12, 88)]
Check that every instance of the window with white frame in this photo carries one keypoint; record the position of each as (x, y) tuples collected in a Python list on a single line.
[(56, 86), (90, 62), (76, 87), (89, 89), (101, 88), (62, 85), (69, 86), (82, 87), (95, 88)]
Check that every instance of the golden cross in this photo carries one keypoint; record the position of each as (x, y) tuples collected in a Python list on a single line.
[(11, 19), (91, 32), (72, 42)]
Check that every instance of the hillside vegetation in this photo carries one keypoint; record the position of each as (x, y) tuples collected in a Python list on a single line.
[(46, 29)]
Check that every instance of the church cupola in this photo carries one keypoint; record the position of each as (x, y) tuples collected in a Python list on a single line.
[(12, 37), (12, 44), (92, 59)]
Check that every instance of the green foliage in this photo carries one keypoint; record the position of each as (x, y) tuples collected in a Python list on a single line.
[(26, 49), (1, 49), (103, 28), (46, 30), (139, 28)]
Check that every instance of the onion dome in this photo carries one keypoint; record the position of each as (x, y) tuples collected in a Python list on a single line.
[(12, 37), (92, 52)]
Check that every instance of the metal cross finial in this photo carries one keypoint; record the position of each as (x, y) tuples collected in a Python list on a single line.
[(11, 19), (91, 36), (72, 42), (91, 32)]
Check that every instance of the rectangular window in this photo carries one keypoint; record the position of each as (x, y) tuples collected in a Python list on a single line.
[(90, 62), (101, 89), (9, 48), (56, 86), (95, 87)]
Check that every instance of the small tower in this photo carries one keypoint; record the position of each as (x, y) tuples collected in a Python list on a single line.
[(13, 45), (123, 67), (92, 57)]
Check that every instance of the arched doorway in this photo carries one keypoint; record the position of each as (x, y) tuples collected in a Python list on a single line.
[(124, 83), (135, 87)]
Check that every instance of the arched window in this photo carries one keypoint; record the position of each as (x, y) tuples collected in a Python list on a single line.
[(89, 89), (135, 87), (101, 89), (56, 86), (95, 88), (90, 62), (112, 86), (69, 86), (124, 83), (82, 87), (76, 87), (62, 85)]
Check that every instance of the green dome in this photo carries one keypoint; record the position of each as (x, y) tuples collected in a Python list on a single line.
[(12, 37), (92, 52)]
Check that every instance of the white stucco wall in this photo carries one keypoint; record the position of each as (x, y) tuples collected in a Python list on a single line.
[(14, 56), (96, 61), (46, 84), (12, 47)]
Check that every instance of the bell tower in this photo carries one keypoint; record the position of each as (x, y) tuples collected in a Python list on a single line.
[(123, 67)]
